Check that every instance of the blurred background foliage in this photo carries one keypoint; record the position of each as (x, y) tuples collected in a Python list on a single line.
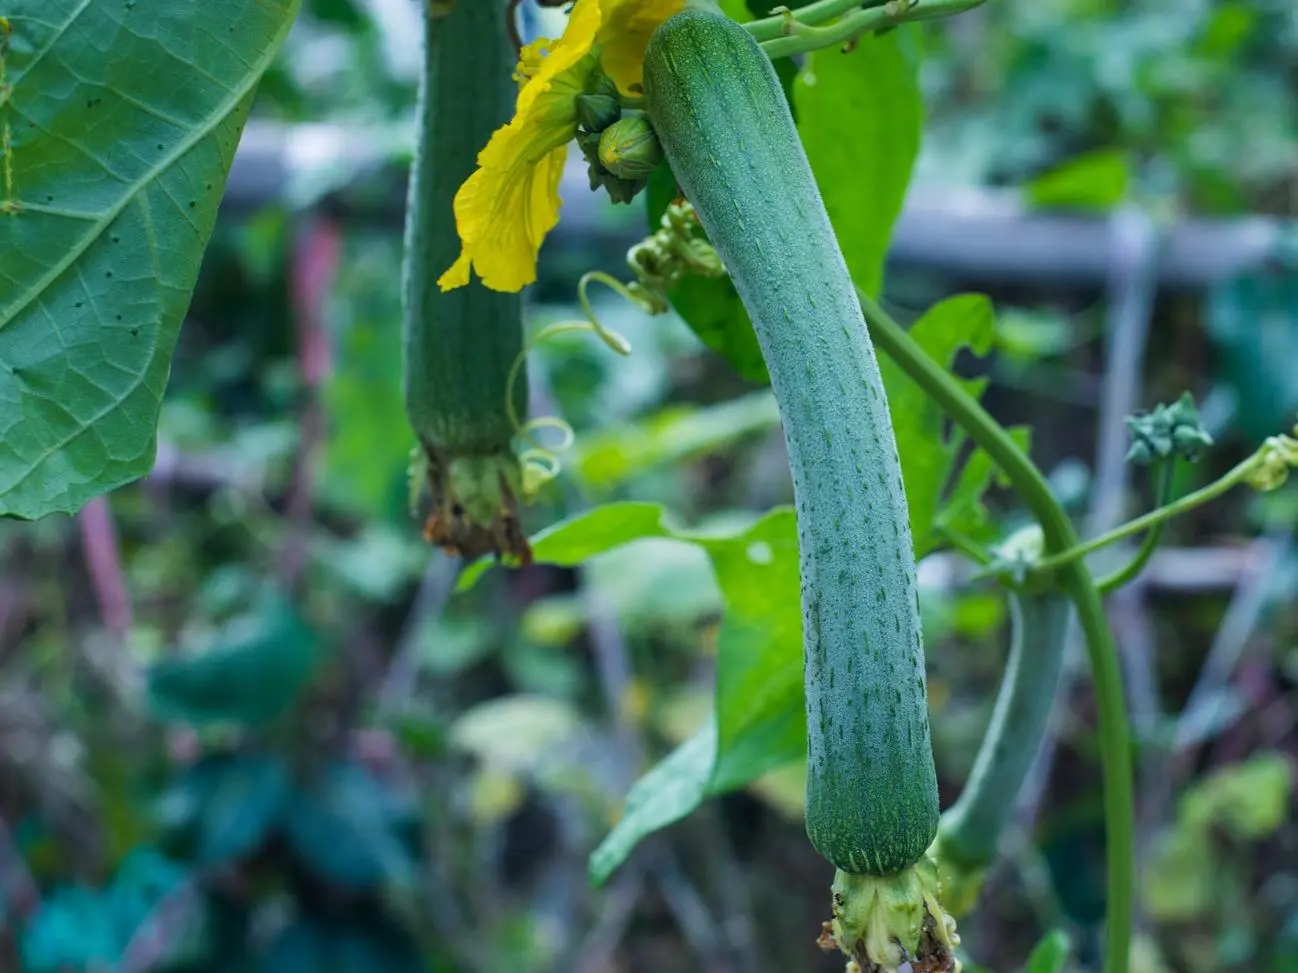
[(246, 726)]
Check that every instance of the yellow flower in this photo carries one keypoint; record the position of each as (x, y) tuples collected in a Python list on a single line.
[(504, 210), (624, 35)]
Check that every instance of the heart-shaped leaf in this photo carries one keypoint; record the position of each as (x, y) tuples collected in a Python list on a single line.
[(118, 123)]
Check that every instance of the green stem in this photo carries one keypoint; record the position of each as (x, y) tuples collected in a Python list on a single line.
[(1077, 583), (1154, 518), (966, 545), (802, 38), (1127, 572), (781, 25)]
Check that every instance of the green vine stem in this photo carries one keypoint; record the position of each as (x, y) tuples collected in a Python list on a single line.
[(783, 23), (1112, 582), (800, 36), (1076, 581), (1252, 471), (967, 546)]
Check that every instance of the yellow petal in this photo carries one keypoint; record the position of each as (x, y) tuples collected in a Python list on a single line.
[(624, 35), (457, 275), (503, 211)]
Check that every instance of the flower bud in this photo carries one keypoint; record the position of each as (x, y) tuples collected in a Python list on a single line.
[(630, 149), (600, 106)]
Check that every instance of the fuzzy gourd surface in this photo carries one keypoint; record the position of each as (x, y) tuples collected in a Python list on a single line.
[(726, 129), (461, 344)]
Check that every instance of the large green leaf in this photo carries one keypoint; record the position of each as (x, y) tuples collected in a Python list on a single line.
[(759, 720), (860, 118), (928, 452), (120, 120), (670, 791)]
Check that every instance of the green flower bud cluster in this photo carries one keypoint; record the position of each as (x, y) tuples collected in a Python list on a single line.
[(599, 111), (1277, 456), (678, 248), (1170, 430)]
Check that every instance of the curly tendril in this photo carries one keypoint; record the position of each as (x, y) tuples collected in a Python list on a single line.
[(676, 249), (541, 462)]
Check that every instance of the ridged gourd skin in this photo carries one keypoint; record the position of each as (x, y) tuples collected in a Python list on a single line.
[(459, 344), (726, 128), (970, 829)]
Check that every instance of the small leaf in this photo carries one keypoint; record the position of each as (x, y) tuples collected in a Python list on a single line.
[(666, 794), (252, 673), (109, 190), (860, 118), (1181, 880), (246, 800), (712, 308), (963, 509), (1049, 955), (422, 736), (759, 723), (572, 541), (1096, 181), (345, 827)]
